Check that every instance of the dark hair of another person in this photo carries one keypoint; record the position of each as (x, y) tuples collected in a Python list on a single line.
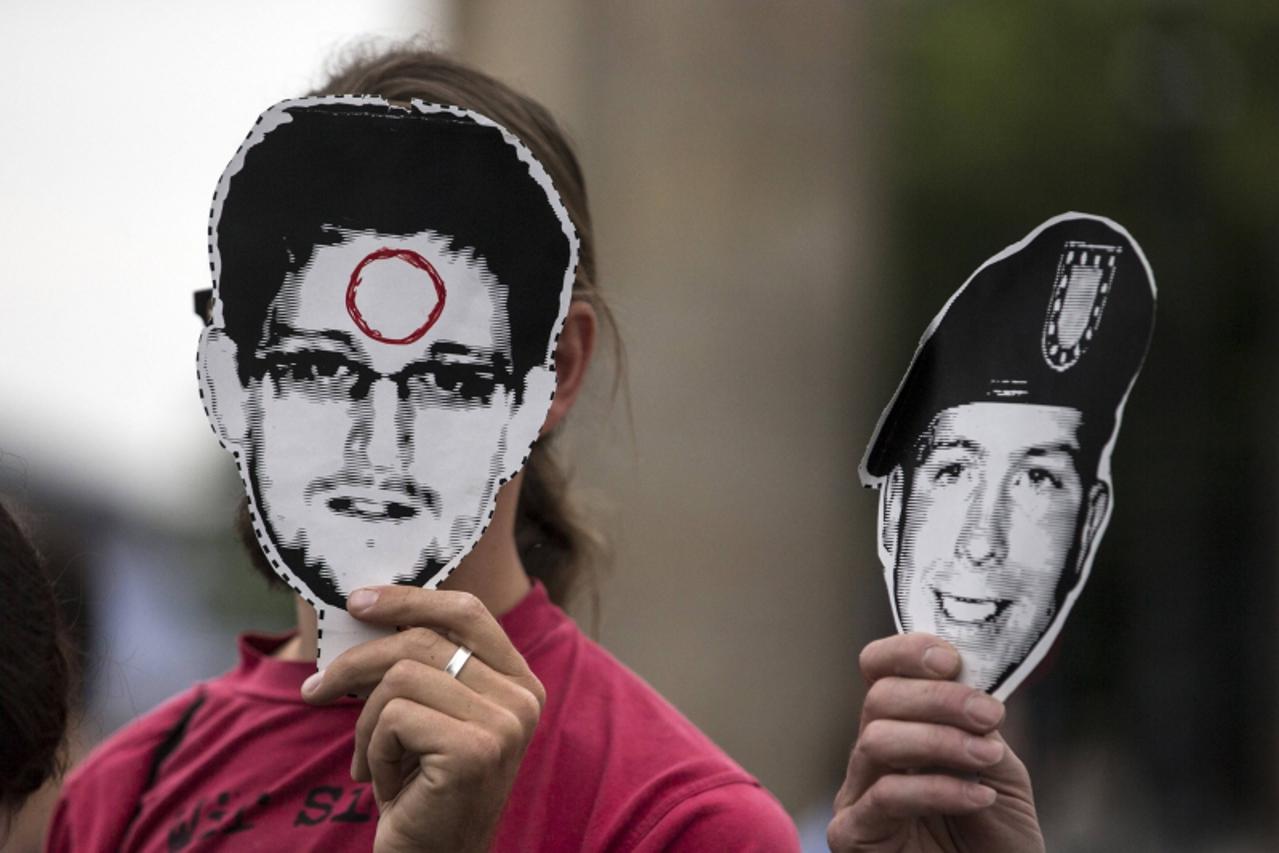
[(555, 542), (34, 670)]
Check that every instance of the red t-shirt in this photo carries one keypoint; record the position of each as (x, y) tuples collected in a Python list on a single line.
[(242, 763)]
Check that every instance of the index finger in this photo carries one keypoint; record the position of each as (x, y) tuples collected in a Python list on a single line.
[(459, 614), (909, 656)]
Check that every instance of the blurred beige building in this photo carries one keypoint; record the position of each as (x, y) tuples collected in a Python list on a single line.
[(728, 149)]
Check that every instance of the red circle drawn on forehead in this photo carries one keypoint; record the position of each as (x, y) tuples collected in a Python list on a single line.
[(409, 257)]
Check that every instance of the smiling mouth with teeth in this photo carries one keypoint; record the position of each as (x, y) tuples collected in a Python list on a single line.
[(972, 610), (371, 510)]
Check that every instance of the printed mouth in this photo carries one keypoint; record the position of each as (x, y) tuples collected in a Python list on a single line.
[(369, 509), (972, 610)]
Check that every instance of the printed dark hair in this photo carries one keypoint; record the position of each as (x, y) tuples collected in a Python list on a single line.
[(312, 180), (34, 669), (555, 542)]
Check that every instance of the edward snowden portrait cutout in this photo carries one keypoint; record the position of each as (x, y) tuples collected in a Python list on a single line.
[(389, 283), (993, 458)]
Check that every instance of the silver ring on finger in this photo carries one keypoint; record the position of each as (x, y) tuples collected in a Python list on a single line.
[(459, 659)]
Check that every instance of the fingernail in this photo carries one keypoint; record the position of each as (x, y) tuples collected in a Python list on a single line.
[(361, 599), (984, 710), (312, 682), (940, 660), (985, 750), (980, 794)]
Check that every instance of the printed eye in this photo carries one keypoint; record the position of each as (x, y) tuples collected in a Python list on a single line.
[(949, 473), (1042, 478), (453, 385), (468, 382), (309, 367)]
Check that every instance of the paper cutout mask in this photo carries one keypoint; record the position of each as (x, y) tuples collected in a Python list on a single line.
[(388, 286), (993, 458)]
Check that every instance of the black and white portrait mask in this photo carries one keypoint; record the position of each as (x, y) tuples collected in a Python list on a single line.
[(389, 285), (993, 458)]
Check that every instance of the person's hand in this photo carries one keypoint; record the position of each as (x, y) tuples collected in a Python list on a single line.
[(929, 771), (442, 752)]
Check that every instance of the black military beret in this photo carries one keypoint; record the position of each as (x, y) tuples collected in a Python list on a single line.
[(1061, 318)]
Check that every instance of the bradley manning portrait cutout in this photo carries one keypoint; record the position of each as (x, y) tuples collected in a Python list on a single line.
[(993, 458), (389, 284)]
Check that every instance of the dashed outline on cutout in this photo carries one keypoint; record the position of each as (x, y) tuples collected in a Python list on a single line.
[(417, 107)]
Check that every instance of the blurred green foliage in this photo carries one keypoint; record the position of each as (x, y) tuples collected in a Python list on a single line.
[(1165, 117)]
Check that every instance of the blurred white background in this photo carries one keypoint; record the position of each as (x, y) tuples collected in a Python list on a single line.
[(119, 117)]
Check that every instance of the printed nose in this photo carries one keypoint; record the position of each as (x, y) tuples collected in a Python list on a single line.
[(375, 430), (983, 540)]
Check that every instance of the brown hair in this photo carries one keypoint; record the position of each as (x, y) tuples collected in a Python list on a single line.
[(34, 669), (555, 543)]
